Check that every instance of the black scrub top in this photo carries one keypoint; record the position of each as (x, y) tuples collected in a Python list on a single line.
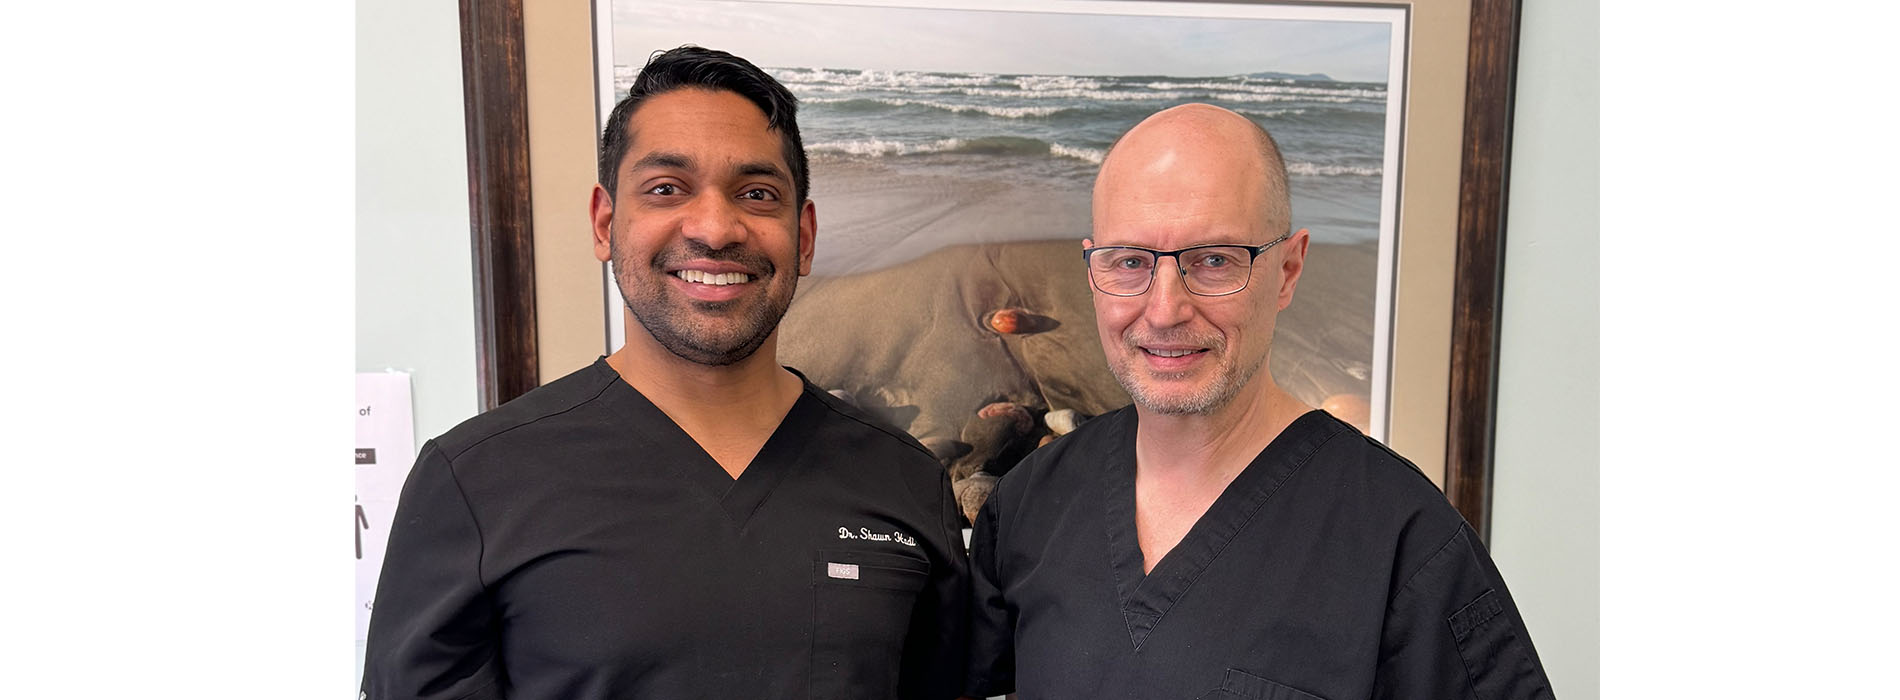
[(1330, 568), (576, 543)]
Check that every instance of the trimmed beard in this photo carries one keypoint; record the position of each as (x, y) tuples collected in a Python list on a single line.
[(1229, 379), (670, 322)]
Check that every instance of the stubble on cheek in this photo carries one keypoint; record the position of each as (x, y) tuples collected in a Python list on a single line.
[(703, 332), (1221, 377)]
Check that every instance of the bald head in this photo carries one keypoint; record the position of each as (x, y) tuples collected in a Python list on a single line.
[(1194, 175), (1188, 154)]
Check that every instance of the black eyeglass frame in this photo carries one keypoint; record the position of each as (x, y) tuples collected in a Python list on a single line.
[(1254, 253)]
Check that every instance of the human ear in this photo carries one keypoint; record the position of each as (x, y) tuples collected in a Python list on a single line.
[(1292, 263), (601, 210), (807, 236)]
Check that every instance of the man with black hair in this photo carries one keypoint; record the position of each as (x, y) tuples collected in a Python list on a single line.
[(684, 518)]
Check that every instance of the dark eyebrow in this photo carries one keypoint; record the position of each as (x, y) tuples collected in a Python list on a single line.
[(662, 159), (677, 161), (763, 169)]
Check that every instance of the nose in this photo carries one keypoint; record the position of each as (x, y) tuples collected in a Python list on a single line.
[(1167, 303), (713, 221)]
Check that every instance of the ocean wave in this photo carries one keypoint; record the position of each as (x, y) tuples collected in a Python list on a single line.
[(1142, 95), (1258, 97), (1206, 85), (1357, 93), (838, 88), (808, 75), (1271, 113), (1078, 93), (874, 79), (1091, 155), (801, 88), (987, 146), (1041, 83), (880, 147), (991, 110), (1268, 89), (1332, 170)]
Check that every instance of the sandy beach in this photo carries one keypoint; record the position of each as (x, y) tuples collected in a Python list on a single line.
[(909, 265), (873, 215)]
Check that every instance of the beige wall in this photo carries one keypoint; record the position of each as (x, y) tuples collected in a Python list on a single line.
[(569, 294), (1428, 232)]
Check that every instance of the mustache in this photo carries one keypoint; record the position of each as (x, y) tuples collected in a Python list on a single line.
[(755, 262), (1210, 341)]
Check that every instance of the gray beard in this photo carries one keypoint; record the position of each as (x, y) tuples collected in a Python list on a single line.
[(1226, 386)]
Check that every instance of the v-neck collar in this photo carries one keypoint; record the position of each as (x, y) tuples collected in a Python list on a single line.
[(1145, 598), (680, 453)]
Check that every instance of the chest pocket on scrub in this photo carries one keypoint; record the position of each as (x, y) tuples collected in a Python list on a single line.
[(1241, 684), (861, 607)]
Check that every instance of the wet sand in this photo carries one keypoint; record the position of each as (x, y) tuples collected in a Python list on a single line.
[(1323, 345), (872, 216), (909, 261)]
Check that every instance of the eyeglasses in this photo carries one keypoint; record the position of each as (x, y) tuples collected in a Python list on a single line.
[(1206, 270)]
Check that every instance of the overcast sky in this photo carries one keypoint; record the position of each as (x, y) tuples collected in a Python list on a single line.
[(840, 36)]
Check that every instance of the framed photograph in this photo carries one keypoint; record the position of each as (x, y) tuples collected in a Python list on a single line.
[(952, 158), (954, 144)]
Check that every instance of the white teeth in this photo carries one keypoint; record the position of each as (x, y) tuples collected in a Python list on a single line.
[(717, 280), (1169, 353)]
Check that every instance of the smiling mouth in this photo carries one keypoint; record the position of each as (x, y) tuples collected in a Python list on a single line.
[(718, 279), (1171, 353)]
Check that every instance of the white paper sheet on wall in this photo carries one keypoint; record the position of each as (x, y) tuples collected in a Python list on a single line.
[(385, 449)]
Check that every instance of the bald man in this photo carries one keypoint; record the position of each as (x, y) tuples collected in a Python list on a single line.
[(1220, 538)]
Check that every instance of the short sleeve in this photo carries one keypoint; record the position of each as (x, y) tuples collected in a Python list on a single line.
[(992, 666), (934, 647), (432, 627), (1453, 631)]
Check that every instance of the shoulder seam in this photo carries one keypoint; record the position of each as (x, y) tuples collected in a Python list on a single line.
[(481, 541), (900, 436), (529, 421), (1420, 473), (1457, 533)]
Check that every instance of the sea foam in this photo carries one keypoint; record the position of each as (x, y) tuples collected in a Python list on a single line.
[(880, 147), (992, 110), (1090, 155), (1332, 170)]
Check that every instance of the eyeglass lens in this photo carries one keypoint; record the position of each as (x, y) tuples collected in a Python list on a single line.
[(1213, 270)]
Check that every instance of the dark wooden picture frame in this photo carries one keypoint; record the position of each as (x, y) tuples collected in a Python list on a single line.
[(501, 221), (495, 89), (1484, 175)]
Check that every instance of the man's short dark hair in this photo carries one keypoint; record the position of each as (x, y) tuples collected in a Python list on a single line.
[(706, 69)]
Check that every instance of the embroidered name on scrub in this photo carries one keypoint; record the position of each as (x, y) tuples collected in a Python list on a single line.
[(865, 533)]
